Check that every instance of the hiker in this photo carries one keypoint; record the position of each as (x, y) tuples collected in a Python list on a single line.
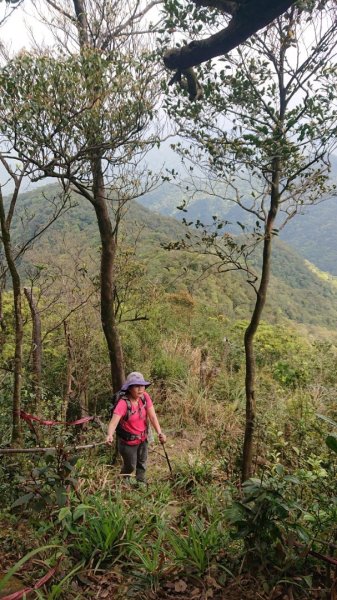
[(130, 414)]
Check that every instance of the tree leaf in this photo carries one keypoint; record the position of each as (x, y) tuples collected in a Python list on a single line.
[(23, 500), (331, 442), (61, 496)]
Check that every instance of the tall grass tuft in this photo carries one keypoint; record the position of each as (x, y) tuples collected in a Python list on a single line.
[(199, 548), (149, 561), (189, 403), (105, 532)]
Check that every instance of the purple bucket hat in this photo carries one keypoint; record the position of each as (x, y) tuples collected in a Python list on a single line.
[(134, 378)]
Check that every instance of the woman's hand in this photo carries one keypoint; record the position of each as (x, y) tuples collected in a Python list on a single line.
[(109, 438), (112, 428), (162, 438)]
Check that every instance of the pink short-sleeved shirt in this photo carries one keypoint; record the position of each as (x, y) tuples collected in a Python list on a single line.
[(136, 422)]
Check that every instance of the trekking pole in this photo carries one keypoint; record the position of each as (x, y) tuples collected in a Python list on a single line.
[(114, 452), (167, 458)]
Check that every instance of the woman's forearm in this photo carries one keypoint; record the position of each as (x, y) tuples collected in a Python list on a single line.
[(113, 425), (154, 420)]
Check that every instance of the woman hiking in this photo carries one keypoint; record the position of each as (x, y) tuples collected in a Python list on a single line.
[(129, 419)]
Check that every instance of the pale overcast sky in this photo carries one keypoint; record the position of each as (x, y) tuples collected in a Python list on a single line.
[(14, 31)]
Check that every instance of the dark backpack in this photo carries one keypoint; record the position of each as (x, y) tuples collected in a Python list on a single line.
[(121, 395)]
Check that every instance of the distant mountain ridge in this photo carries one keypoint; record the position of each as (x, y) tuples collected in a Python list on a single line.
[(313, 233)]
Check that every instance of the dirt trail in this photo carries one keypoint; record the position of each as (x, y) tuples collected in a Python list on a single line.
[(178, 446)]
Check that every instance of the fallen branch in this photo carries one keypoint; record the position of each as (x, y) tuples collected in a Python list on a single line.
[(41, 450), (328, 559)]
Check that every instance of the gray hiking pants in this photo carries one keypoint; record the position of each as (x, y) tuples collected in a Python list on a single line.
[(134, 459)]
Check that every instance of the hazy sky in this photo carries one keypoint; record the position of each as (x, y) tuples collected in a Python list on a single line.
[(14, 35), (14, 31)]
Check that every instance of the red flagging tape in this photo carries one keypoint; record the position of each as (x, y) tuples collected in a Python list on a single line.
[(27, 417), (38, 584)]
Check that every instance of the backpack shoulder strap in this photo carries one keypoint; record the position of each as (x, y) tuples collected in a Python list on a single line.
[(128, 407), (117, 396)]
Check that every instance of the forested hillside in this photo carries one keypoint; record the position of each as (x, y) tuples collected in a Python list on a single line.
[(297, 292), (313, 235)]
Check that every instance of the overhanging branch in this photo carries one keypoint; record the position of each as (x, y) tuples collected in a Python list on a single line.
[(250, 17)]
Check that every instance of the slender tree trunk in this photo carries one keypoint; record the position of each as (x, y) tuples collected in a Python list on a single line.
[(203, 368), (107, 235), (108, 255), (84, 406), (2, 318), (36, 349), (69, 372), (17, 300), (250, 380), (82, 23)]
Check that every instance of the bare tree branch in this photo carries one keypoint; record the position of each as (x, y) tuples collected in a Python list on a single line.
[(61, 11)]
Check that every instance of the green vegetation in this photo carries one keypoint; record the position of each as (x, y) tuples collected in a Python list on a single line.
[(197, 530), (240, 502), (299, 292)]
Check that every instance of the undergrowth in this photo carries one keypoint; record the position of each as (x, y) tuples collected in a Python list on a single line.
[(200, 525)]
